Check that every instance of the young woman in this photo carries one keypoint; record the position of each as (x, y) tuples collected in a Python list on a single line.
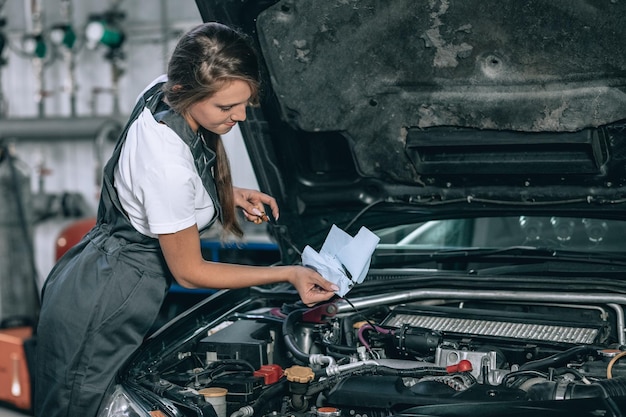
[(167, 180)]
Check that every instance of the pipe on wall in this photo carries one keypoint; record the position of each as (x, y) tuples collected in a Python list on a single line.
[(61, 128)]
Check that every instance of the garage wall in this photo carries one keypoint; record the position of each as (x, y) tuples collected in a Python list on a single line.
[(59, 162), (151, 28), (70, 165)]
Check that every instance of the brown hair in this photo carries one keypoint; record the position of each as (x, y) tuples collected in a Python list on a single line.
[(204, 60)]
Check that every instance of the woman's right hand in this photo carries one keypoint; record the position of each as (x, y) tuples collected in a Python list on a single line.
[(311, 286)]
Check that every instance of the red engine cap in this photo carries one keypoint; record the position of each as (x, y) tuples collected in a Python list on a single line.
[(463, 366)]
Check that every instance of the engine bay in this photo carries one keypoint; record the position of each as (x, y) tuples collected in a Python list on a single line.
[(373, 357)]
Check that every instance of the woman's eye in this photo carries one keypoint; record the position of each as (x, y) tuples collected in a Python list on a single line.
[(229, 108)]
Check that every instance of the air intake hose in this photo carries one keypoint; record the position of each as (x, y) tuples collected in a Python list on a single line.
[(568, 390)]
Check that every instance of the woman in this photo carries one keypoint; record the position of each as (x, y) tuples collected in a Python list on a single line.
[(168, 179)]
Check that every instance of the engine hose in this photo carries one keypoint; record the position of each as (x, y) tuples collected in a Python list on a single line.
[(567, 390), (415, 372), (564, 390), (558, 359), (245, 411), (615, 387), (276, 390), (372, 368), (347, 327), (341, 349), (348, 322), (347, 369), (609, 367), (290, 342)]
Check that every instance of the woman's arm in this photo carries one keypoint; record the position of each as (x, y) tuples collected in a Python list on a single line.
[(184, 259)]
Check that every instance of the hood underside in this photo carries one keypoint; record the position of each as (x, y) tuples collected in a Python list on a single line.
[(355, 65), (420, 100), (381, 72)]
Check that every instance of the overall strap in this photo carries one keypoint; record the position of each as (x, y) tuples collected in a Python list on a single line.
[(109, 196)]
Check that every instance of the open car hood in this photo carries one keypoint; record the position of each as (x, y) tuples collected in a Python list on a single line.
[(422, 101)]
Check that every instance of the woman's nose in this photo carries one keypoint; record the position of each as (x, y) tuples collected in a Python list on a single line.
[(239, 114)]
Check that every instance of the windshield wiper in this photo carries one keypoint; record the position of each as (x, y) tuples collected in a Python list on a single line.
[(541, 254)]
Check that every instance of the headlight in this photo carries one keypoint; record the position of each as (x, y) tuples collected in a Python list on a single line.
[(120, 404)]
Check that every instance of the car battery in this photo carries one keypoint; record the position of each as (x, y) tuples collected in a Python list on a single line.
[(245, 340), (15, 386)]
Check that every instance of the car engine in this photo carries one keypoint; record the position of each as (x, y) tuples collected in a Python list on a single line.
[(403, 353)]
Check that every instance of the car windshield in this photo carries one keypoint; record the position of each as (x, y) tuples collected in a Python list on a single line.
[(556, 233)]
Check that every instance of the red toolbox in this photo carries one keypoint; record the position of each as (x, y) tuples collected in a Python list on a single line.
[(15, 387)]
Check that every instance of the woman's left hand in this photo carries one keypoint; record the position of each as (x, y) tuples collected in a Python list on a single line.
[(253, 202)]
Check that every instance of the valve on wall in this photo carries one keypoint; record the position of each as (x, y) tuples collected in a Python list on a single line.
[(34, 46), (43, 46), (63, 36), (105, 29)]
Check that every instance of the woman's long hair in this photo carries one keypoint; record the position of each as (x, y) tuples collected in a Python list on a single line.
[(205, 59)]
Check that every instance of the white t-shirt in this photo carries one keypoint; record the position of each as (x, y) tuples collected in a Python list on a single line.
[(157, 182)]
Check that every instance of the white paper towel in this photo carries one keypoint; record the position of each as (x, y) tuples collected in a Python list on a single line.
[(343, 260)]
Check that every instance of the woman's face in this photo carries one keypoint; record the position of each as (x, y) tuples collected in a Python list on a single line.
[(220, 112)]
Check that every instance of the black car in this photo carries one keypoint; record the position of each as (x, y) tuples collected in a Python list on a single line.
[(484, 143)]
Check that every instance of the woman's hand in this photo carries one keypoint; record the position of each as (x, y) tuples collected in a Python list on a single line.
[(253, 202), (311, 286)]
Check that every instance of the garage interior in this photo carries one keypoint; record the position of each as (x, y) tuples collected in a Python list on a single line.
[(485, 146), (70, 72)]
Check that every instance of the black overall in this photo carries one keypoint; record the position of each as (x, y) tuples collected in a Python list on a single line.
[(101, 298)]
